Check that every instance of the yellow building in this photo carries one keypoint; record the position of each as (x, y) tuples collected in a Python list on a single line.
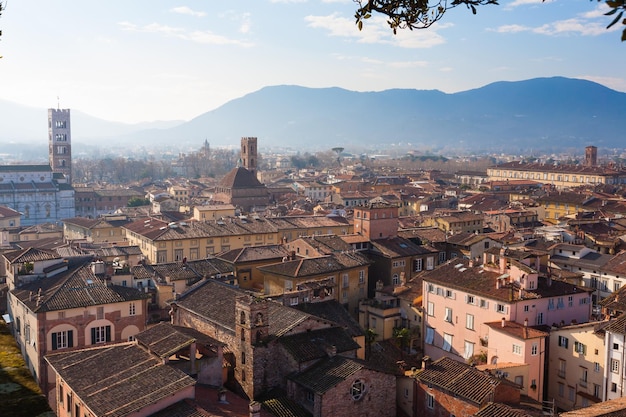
[(213, 212), (105, 229), (457, 222), (340, 276), (561, 176), (246, 261), (576, 365), (163, 242)]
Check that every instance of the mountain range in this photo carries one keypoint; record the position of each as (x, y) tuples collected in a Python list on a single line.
[(549, 114)]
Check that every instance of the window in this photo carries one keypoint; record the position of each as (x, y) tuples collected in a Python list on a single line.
[(447, 342), (430, 401), (526, 308), (448, 316), (501, 308), (571, 393), (519, 380), (534, 349), (469, 299), (615, 366), (615, 346), (132, 309), (430, 263), (517, 349), (613, 387), (418, 265), (570, 301), (430, 335), (62, 340), (469, 321), (430, 309), (596, 367), (616, 285), (396, 279), (361, 277), (357, 390), (100, 334), (539, 318), (562, 367), (469, 350), (583, 376), (310, 396), (563, 341), (450, 294), (345, 280), (597, 390), (580, 348), (484, 303), (561, 389)]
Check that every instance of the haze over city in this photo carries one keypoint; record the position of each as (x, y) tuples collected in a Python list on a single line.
[(146, 61)]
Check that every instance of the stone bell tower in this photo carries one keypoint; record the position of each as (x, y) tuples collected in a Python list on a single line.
[(60, 142), (252, 329)]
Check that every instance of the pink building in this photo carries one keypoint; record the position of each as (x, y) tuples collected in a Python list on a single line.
[(512, 345), (461, 297)]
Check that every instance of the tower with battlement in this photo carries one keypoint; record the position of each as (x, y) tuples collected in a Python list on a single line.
[(249, 154)]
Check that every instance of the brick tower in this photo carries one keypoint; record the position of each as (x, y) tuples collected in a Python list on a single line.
[(248, 154)]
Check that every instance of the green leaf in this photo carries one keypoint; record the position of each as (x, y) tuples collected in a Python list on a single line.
[(619, 16)]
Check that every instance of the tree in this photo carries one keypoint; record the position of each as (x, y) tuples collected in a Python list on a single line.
[(421, 14)]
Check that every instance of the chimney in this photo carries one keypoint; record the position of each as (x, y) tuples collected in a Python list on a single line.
[(503, 321), (331, 351), (255, 409), (471, 263), (502, 260), (426, 361), (526, 322), (221, 396)]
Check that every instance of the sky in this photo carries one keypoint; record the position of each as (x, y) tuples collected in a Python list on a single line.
[(148, 60)]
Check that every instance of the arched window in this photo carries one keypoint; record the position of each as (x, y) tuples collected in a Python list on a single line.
[(357, 390), (259, 319), (243, 335), (242, 318)]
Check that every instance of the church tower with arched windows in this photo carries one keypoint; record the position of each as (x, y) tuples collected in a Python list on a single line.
[(60, 142), (252, 330), (249, 154)]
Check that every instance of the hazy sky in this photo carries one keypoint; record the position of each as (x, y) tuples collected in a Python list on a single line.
[(140, 60)]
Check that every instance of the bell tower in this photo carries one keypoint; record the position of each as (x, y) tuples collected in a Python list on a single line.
[(252, 329), (249, 154), (60, 142)]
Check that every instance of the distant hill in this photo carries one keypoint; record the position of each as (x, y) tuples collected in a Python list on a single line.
[(538, 114)]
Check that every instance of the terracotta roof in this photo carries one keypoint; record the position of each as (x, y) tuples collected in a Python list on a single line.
[(118, 380), (610, 408), (8, 212), (333, 311), (327, 244), (215, 302), (327, 373), (459, 379), (277, 403), (31, 255), (517, 330), (503, 410), (457, 274), (74, 289), (397, 247), (306, 267), (164, 339), (254, 253), (308, 346), (240, 177)]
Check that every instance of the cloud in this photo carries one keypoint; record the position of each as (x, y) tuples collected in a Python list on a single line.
[(517, 3), (584, 24), (408, 64), (188, 11), (288, 1), (376, 31), (197, 36)]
